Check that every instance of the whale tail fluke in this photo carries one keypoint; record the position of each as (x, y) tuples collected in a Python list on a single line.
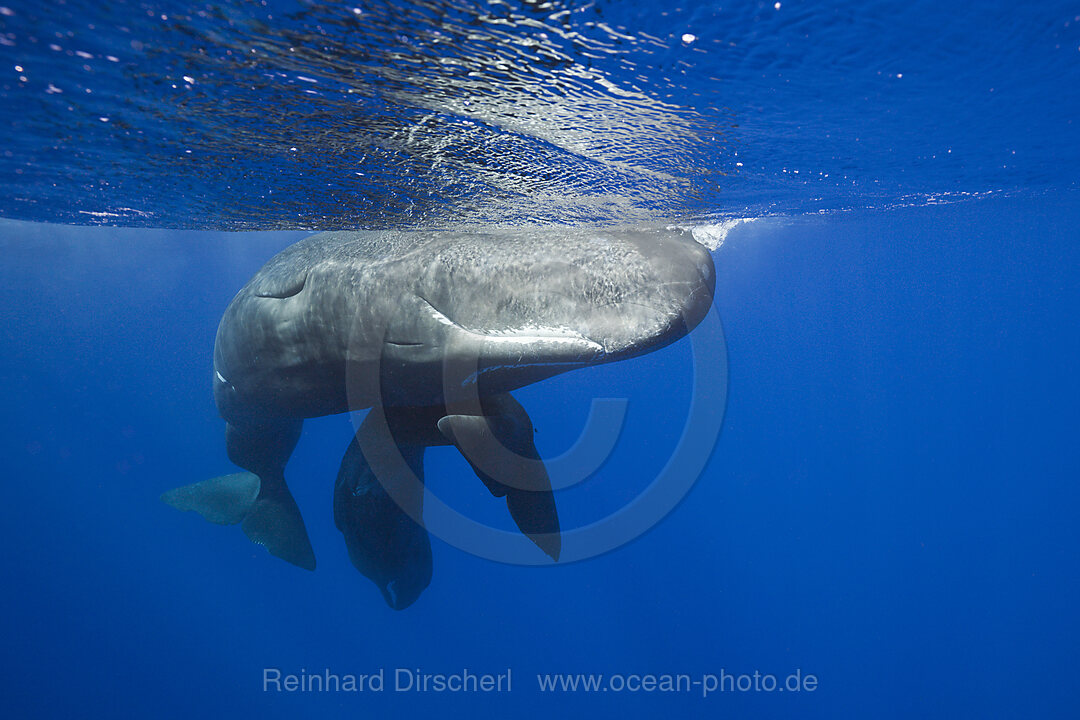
[(267, 511), (275, 523), (224, 500)]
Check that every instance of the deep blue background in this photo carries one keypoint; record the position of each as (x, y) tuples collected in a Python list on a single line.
[(891, 506)]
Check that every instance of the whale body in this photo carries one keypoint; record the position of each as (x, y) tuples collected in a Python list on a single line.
[(433, 331)]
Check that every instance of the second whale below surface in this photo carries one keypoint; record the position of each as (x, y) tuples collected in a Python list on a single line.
[(432, 330)]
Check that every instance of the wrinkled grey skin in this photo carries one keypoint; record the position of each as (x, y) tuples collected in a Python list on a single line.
[(434, 329), (342, 301)]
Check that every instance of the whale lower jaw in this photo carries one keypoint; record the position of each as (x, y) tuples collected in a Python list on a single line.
[(514, 349)]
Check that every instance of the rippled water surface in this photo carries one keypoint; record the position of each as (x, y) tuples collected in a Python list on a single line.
[(305, 114)]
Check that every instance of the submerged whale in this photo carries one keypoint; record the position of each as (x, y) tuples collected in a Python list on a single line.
[(432, 330)]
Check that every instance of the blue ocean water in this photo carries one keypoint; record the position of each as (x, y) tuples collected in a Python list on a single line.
[(888, 509)]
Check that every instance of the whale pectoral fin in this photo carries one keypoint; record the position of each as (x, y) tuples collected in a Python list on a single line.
[(275, 523), (535, 514), (224, 500), (500, 448), (375, 514)]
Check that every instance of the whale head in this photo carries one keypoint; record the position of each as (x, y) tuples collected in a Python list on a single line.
[(505, 311)]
